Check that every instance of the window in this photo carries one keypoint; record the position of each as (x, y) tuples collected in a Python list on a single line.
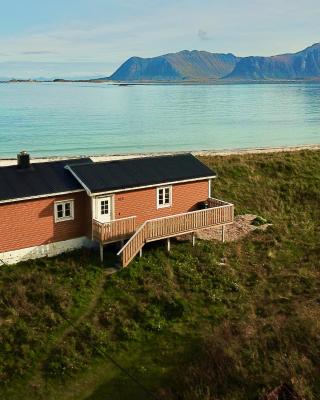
[(104, 207), (63, 210), (164, 197)]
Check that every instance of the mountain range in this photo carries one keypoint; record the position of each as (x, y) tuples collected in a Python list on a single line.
[(205, 66)]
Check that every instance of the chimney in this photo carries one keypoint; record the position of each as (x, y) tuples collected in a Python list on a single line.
[(23, 159)]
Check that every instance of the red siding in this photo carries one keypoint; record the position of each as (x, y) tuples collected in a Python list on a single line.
[(31, 223), (143, 202)]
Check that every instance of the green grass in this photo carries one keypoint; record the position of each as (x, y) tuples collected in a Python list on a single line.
[(187, 325)]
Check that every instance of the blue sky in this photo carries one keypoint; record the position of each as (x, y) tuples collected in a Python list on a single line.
[(82, 38)]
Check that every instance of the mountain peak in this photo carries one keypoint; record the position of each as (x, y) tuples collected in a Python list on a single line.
[(292, 66), (195, 65), (186, 64), (314, 46)]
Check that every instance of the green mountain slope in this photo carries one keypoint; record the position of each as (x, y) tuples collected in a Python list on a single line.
[(185, 65), (302, 65), (204, 66)]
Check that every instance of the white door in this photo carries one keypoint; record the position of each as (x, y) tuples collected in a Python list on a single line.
[(103, 209)]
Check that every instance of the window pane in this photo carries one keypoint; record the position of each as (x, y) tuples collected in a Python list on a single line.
[(104, 207), (67, 209), (59, 210), (160, 196), (167, 196)]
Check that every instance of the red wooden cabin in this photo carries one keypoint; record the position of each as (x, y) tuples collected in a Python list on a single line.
[(52, 207)]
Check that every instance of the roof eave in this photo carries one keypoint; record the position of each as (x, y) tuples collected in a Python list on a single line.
[(128, 189), (40, 196)]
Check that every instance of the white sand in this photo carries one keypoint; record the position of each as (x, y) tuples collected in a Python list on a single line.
[(97, 158)]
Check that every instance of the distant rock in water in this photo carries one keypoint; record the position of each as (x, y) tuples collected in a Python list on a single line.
[(185, 65), (302, 65)]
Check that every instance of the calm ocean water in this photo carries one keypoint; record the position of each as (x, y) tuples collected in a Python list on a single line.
[(87, 119)]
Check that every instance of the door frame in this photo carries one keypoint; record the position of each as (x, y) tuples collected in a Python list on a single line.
[(95, 200)]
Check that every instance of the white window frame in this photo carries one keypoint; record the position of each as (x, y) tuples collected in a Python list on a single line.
[(64, 218), (165, 205), (103, 208)]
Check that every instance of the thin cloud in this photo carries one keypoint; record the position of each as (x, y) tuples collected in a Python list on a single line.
[(39, 52), (203, 35)]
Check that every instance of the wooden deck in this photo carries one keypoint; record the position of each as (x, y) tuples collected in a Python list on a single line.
[(113, 231), (217, 213)]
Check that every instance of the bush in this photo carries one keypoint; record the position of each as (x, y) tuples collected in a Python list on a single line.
[(259, 221)]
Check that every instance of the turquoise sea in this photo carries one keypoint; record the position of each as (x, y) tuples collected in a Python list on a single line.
[(86, 119)]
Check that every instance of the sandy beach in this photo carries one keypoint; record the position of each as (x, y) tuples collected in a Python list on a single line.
[(110, 157)]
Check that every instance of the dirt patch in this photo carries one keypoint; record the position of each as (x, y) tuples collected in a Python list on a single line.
[(283, 392), (240, 228)]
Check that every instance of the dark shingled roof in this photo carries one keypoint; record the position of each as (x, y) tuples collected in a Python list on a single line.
[(137, 172), (39, 179)]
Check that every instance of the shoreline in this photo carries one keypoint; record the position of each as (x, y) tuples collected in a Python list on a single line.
[(208, 81), (226, 152), (170, 83)]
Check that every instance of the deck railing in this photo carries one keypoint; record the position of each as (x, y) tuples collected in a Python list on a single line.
[(217, 213), (114, 230)]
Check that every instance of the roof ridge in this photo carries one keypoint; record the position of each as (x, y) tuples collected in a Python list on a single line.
[(143, 158)]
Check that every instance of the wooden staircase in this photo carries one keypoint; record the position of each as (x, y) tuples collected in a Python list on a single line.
[(217, 213)]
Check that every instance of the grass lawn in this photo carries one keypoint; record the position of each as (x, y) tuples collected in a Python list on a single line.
[(215, 321)]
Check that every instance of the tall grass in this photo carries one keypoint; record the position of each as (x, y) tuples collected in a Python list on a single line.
[(215, 321)]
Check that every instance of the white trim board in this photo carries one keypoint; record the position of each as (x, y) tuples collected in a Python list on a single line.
[(67, 167), (41, 196), (45, 250)]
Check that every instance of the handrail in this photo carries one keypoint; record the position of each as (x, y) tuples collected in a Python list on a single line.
[(117, 229), (135, 234), (113, 220), (175, 216), (157, 228), (189, 212)]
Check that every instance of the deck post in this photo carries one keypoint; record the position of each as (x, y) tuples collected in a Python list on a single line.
[(193, 239), (168, 245), (140, 252), (223, 234), (101, 253)]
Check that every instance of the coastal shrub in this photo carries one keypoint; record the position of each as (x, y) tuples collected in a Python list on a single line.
[(127, 329), (245, 363), (76, 350), (35, 298), (259, 221), (64, 360)]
